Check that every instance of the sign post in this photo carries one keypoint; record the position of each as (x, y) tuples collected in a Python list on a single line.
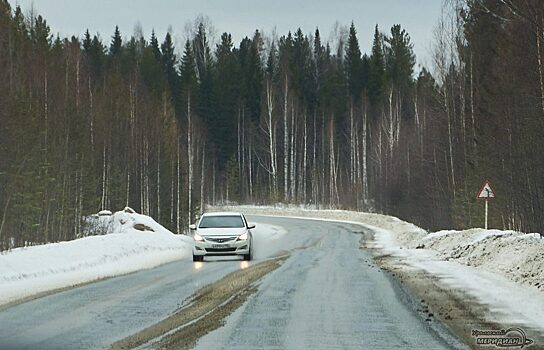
[(486, 193)]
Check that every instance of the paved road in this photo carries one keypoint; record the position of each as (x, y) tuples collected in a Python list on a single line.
[(327, 295)]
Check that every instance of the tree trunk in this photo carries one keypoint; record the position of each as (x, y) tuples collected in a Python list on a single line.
[(365, 170), (472, 109), (333, 191), (314, 177), (91, 130), (178, 201), (103, 201), (271, 133), (159, 183), (323, 157), (250, 167), (128, 188), (351, 147), (190, 160), (305, 161), (172, 187), (202, 178), (450, 140), (293, 155), (285, 143), (539, 34)]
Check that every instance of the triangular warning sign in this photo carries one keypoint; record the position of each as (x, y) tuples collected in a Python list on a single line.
[(486, 192)]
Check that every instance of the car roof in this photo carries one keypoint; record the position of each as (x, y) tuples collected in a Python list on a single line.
[(224, 213)]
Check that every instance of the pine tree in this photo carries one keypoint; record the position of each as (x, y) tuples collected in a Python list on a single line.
[(401, 60), (41, 34)]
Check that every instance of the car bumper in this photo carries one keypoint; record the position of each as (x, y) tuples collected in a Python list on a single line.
[(221, 249)]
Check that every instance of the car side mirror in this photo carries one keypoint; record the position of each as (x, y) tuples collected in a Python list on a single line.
[(192, 227), (250, 226)]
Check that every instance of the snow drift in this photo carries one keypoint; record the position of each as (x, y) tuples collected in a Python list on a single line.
[(134, 242)]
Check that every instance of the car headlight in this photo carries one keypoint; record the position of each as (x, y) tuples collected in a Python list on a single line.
[(197, 237), (243, 236)]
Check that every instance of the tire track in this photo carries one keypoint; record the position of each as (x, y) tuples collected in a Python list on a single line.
[(204, 312)]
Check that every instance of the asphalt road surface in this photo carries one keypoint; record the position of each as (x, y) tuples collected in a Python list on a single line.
[(327, 295)]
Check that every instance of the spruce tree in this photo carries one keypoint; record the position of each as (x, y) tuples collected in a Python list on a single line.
[(376, 78), (169, 60), (226, 90), (354, 65), (204, 68), (189, 82), (154, 45), (251, 75), (116, 42), (87, 41)]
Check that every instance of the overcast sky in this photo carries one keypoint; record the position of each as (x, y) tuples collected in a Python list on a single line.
[(242, 17)]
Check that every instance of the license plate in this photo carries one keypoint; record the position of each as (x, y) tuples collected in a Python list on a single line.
[(220, 246)]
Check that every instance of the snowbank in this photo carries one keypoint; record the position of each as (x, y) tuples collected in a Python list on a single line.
[(518, 256), (32, 270)]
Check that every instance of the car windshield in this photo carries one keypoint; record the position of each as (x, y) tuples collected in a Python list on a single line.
[(221, 221)]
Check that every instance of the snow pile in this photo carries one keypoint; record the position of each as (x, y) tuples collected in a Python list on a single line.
[(516, 255), (136, 242)]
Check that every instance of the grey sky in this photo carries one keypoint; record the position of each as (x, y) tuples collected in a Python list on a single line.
[(242, 17)]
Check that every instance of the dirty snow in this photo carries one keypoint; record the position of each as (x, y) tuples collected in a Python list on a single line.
[(32, 270)]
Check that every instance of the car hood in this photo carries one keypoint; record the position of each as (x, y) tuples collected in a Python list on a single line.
[(221, 231)]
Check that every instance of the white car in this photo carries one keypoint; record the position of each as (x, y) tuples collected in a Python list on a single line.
[(222, 234)]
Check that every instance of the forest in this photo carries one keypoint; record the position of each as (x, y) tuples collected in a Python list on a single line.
[(90, 123)]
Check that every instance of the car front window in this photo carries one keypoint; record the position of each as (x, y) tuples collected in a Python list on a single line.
[(221, 222)]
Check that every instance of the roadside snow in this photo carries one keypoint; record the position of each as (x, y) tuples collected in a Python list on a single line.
[(501, 269), (136, 242), (515, 255)]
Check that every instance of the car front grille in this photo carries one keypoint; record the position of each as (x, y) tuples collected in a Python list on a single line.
[(220, 239), (220, 250)]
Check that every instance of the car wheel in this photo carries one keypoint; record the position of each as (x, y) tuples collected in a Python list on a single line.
[(198, 258), (249, 256)]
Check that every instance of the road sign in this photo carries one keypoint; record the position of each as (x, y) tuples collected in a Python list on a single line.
[(486, 192)]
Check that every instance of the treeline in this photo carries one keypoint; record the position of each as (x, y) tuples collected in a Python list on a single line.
[(88, 125)]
